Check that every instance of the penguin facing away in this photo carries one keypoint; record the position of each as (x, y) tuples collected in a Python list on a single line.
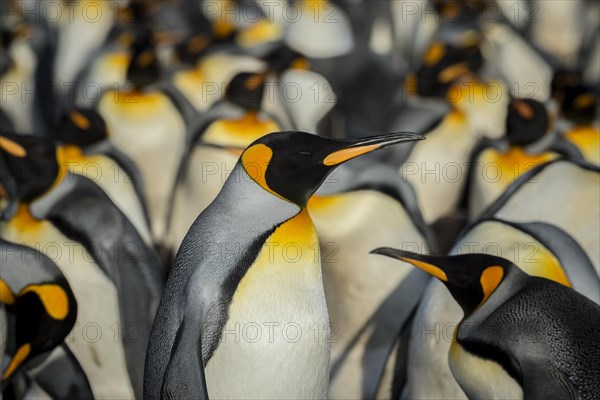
[(368, 301), (521, 336), (225, 277), (86, 150)]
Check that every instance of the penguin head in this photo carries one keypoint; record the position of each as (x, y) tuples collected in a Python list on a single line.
[(7, 36), (143, 69), (81, 127), (45, 314), (30, 162), (200, 36), (284, 57), (444, 63), (470, 278), (459, 12), (578, 101), (292, 165), (246, 90), (527, 121)]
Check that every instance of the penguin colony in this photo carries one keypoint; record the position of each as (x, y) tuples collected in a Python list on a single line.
[(231, 199)]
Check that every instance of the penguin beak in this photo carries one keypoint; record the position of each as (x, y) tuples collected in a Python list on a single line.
[(358, 147), (420, 261)]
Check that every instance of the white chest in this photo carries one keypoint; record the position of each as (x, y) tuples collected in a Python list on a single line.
[(480, 378), (275, 344)]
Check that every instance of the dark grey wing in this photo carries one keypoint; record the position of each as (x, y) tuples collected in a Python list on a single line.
[(184, 375), (545, 336), (192, 314), (88, 216), (62, 377)]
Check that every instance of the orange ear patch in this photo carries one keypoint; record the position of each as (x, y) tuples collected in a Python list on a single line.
[(490, 279), (256, 160), (6, 294), (434, 54), (17, 360), (53, 297), (197, 44), (12, 148), (145, 58), (79, 120), (523, 109)]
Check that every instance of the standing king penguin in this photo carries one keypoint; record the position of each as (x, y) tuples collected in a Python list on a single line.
[(521, 336), (234, 271), (215, 150), (146, 125)]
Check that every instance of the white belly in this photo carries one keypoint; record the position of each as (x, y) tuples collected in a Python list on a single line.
[(357, 283), (275, 343), (482, 379), (151, 131)]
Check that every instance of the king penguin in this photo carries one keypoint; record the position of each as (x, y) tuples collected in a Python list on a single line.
[(236, 271), (18, 61), (41, 310), (521, 336), (147, 126), (114, 276), (496, 164), (215, 150), (437, 168), (549, 240), (86, 150)]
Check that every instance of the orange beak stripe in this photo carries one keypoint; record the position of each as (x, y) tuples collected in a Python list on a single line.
[(429, 268), (340, 156)]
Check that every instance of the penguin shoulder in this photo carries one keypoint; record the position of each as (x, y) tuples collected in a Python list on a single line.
[(543, 329)]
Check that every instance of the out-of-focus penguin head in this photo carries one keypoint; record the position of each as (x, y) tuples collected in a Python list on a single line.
[(143, 69), (246, 90), (444, 63), (578, 102), (470, 278), (292, 165), (526, 122), (283, 57), (31, 163), (82, 127)]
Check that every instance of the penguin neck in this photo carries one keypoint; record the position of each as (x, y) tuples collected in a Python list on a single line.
[(241, 191), (512, 282)]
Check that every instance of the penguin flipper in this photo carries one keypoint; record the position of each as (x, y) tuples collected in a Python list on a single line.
[(184, 377), (62, 377), (540, 381)]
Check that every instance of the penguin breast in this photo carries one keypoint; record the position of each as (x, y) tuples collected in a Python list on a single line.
[(481, 378), (275, 343)]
